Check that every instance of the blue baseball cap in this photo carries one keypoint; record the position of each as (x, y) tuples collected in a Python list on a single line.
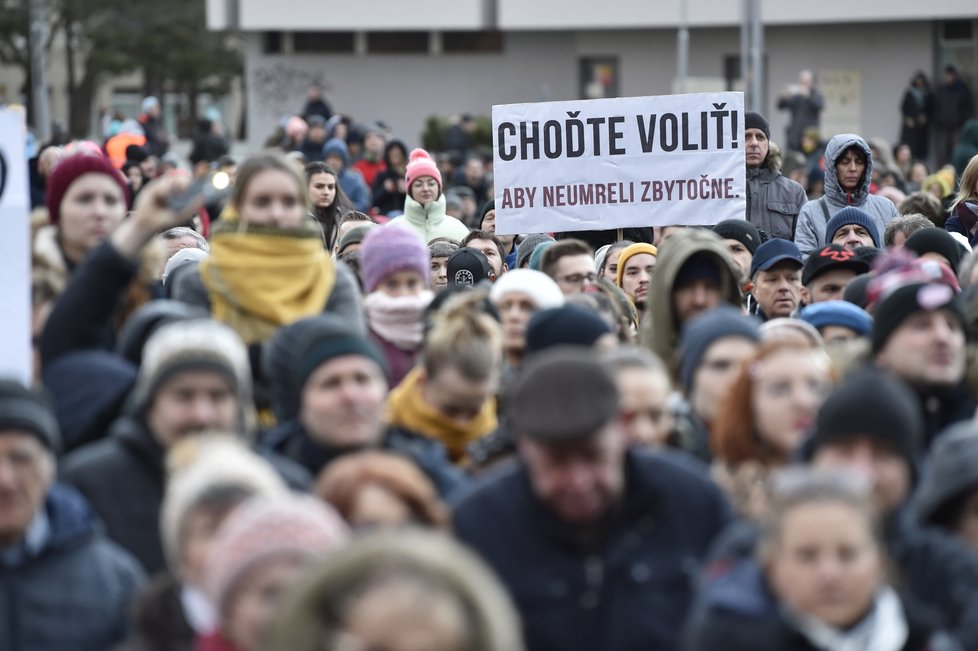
[(838, 313), (774, 251)]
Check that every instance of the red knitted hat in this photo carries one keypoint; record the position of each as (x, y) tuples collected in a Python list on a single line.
[(69, 169), (420, 163)]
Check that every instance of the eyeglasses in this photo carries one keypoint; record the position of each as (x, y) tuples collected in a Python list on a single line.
[(578, 279)]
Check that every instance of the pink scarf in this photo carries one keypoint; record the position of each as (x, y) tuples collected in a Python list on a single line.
[(398, 320)]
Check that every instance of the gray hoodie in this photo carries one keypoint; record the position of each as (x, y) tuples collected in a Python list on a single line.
[(810, 231)]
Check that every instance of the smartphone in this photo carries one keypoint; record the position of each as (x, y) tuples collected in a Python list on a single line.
[(207, 189)]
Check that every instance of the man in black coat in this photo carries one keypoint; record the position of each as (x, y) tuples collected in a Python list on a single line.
[(598, 545), (63, 586), (195, 376)]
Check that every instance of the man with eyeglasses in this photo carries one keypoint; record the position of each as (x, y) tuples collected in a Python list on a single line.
[(713, 346), (571, 264)]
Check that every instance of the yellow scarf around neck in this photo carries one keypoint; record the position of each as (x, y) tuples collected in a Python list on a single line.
[(407, 409), (261, 278)]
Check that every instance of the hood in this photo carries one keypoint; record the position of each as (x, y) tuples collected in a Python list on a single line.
[(660, 332), (89, 389), (71, 518), (833, 191), (336, 147)]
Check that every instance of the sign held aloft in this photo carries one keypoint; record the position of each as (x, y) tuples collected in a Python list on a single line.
[(616, 163)]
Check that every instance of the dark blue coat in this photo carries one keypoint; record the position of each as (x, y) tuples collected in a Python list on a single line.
[(629, 588), (75, 594)]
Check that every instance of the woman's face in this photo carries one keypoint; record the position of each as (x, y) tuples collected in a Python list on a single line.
[(396, 156), (91, 209), (322, 189), (402, 283), (611, 266), (826, 563), (255, 599), (789, 387), (199, 529), (273, 198), (424, 190), (918, 172), (439, 274)]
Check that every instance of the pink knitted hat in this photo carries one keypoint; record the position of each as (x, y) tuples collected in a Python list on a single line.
[(264, 529), (421, 164), (389, 249)]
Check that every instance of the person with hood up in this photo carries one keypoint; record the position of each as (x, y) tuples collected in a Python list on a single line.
[(947, 497), (694, 273), (773, 201), (424, 206), (848, 174), (337, 156)]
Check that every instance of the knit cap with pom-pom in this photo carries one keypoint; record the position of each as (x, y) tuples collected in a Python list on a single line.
[(420, 163)]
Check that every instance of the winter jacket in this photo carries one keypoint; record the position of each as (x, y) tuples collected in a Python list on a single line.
[(967, 147), (773, 201), (157, 138), (944, 407), (390, 200), (291, 441), (804, 113), (123, 477), (350, 180), (661, 327), (74, 594), (431, 221), (627, 588), (953, 105), (158, 620), (936, 573), (737, 612), (810, 231), (963, 220)]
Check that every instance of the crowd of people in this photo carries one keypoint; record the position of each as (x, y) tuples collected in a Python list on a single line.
[(312, 400)]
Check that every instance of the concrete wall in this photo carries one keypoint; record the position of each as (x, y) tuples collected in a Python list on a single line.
[(537, 66)]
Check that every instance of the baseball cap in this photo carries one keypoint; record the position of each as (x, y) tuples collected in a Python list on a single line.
[(772, 252), (829, 257), (467, 267)]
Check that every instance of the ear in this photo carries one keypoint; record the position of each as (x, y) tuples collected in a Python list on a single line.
[(805, 296)]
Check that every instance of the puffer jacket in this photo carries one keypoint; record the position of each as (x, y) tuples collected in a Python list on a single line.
[(74, 593), (773, 201), (810, 231), (431, 221)]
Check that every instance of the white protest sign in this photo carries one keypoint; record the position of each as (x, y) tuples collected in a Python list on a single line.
[(15, 267), (615, 163)]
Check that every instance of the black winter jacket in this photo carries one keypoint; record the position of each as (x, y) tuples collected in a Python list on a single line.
[(627, 586)]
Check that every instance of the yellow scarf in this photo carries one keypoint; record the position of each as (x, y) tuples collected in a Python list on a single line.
[(407, 409), (260, 278)]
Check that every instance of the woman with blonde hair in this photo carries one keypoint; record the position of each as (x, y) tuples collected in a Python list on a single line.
[(964, 210), (398, 591)]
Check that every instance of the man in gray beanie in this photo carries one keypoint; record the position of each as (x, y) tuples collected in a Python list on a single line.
[(194, 377), (63, 586), (773, 200)]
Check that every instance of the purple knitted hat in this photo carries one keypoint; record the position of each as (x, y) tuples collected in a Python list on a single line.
[(390, 249)]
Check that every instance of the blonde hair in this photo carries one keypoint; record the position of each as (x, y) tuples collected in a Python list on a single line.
[(463, 336), (966, 186)]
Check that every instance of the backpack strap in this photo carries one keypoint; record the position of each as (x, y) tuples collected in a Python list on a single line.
[(825, 208)]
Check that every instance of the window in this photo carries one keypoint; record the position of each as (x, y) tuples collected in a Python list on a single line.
[(402, 42), (315, 42), (461, 42), (272, 42)]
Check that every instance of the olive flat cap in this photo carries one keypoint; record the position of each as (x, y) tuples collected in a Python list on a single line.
[(564, 394)]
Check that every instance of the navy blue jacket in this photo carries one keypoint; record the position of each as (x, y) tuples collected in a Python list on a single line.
[(630, 587), (72, 596)]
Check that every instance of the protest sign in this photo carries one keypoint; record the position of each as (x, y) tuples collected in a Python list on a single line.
[(15, 246), (616, 163)]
